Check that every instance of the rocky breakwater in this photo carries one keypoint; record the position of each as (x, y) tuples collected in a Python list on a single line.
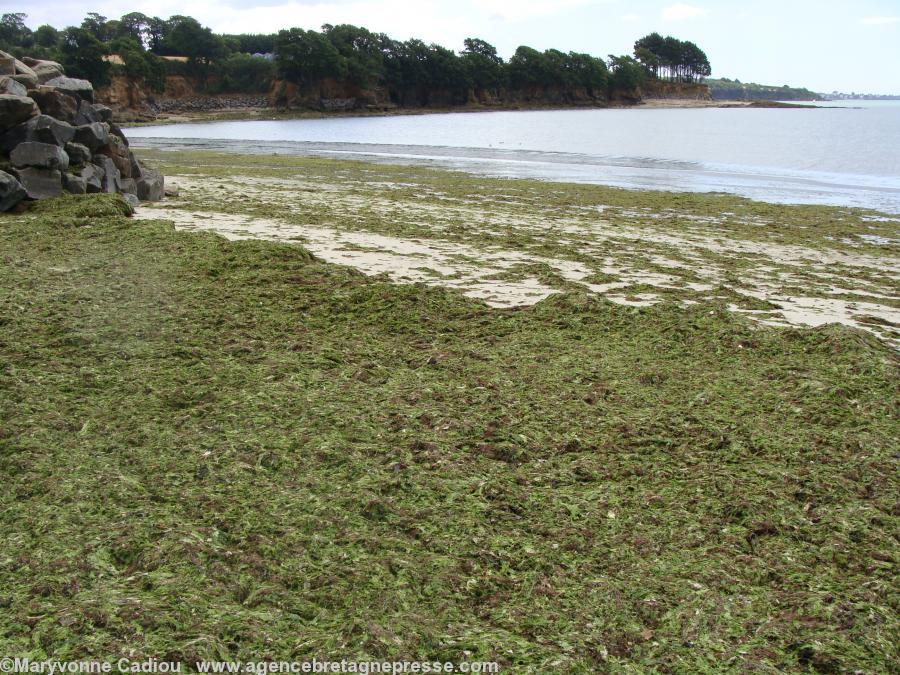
[(55, 139), (209, 103)]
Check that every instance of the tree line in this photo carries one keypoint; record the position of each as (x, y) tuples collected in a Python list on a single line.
[(410, 70), (735, 90), (672, 59)]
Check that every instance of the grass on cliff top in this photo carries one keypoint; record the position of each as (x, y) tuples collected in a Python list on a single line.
[(213, 449)]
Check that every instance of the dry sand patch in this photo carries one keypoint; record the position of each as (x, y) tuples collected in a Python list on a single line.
[(802, 285)]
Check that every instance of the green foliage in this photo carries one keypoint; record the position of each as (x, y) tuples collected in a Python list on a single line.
[(413, 72), (246, 74), (588, 71), (557, 72), (139, 63), (484, 68), (155, 33), (445, 71), (184, 36), (734, 90), (98, 26), (14, 34), (46, 36), (360, 50), (82, 56), (627, 74), (477, 47), (527, 68), (307, 57), (671, 58), (256, 43), (135, 25), (416, 72)]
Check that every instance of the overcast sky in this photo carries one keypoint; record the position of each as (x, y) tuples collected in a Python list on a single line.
[(821, 44)]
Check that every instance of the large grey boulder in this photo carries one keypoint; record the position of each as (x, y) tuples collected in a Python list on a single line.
[(110, 181), (40, 183), (31, 62), (15, 110), (43, 155), (56, 103), (118, 133), (94, 136), (151, 185), (20, 67), (11, 191), (17, 134), (20, 72), (41, 128), (10, 86), (93, 178), (44, 70), (74, 183), (49, 130), (78, 153), (119, 154), (106, 114), (136, 167), (128, 186), (74, 87), (86, 114), (7, 65), (26, 80), (48, 70)]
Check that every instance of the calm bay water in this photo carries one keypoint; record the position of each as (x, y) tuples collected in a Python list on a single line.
[(842, 156)]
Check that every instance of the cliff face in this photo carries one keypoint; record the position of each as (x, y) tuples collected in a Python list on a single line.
[(333, 95), (179, 86), (124, 93), (130, 92), (328, 95), (131, 99), (573, 96), (680, 90)]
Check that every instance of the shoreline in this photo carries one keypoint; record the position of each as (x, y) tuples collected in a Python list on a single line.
[(772, 185), (275, 114)]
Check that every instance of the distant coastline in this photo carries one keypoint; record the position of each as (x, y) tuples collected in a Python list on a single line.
[(837, 96)]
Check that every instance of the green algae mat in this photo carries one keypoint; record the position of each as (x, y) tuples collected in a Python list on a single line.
[(232, 449), (514, 242)]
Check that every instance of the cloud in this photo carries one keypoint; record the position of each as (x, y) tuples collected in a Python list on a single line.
[(432, 21), (526, 9), (631, 18), (681, 11), (879, 20)]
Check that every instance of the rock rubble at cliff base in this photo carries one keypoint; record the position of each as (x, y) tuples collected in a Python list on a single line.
[(55, 139)]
